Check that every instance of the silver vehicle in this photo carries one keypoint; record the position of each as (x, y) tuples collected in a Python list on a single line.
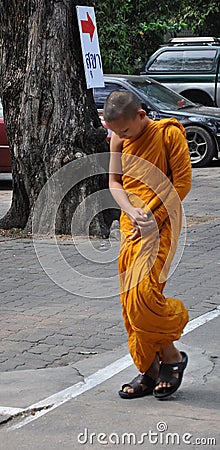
[(189, 66)]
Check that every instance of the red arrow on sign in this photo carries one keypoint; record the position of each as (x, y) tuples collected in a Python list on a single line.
[(88, 26)]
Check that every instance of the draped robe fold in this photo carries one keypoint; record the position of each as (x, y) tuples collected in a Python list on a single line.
[(156, 177)]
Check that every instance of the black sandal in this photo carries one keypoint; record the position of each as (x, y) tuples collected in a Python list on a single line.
[(139, 390), (166, 375)]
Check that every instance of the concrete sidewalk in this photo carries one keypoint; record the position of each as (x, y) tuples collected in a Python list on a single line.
[(56, 345), (192, 414)]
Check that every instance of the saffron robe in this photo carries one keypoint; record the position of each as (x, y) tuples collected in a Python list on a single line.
[(156, 176)]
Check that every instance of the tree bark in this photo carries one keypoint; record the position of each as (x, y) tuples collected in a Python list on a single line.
[(50, 116)]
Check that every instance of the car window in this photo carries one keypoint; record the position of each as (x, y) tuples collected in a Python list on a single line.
[(167, 61), (101, 93), (199, 60), (161, 97), (183, 60)]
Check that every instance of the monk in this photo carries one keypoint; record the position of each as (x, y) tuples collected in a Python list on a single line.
[(150, 174)]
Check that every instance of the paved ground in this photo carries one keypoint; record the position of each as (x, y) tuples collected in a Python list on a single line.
[(52, 339)]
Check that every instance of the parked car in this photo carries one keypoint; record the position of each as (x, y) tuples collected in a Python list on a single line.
[(5, 158), (189, 66), (202, 123)]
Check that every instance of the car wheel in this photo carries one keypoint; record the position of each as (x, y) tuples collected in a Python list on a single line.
[(201, 146)]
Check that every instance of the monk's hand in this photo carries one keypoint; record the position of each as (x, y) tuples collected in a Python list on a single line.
[(143, 223)]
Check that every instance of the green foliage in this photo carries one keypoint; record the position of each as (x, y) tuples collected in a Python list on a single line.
[(130, 31), (203, 18)]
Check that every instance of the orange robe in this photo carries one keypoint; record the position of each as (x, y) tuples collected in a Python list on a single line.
[(156, 177)]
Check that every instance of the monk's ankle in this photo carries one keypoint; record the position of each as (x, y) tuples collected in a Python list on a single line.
[(153, 369), (170, 355)]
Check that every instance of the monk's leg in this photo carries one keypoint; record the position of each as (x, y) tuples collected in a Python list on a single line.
[(153, 368), (153, 322)]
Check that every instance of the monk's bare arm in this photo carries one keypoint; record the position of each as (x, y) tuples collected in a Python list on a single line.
[(115, 175)]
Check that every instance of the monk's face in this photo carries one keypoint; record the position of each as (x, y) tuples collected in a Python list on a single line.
[(129, 128)]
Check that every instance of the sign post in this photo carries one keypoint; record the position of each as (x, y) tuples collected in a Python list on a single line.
[(90, 46)]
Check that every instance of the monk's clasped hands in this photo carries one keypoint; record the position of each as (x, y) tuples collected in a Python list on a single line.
[(143, 223)]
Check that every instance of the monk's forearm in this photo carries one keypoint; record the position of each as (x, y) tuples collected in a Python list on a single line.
[(121, 198)]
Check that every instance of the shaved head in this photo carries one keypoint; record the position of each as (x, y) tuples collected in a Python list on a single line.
[(121, 104)]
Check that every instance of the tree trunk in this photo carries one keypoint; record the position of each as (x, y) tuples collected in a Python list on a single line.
[(50, 116)]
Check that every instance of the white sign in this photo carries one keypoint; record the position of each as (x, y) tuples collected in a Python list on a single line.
[(90, 46)]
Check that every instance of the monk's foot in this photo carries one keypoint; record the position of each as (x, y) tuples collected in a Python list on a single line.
[(170, 355), (143, 384), (171, 371), (130, 390)]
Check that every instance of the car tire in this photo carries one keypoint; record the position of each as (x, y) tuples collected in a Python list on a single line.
[(201, 145)]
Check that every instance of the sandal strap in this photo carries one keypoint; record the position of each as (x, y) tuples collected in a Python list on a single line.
[(148, 381), (167, 370), (168, 379), (136, 383)]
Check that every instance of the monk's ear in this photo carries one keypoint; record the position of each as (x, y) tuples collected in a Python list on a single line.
[(142, 113)]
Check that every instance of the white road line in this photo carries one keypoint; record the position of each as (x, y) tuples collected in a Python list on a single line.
[(201, 320), (99, 377), (7, 411), (64, 396)]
